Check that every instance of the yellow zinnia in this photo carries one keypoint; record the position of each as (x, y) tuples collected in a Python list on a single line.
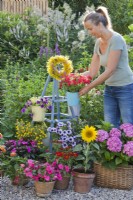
[(89, 133)]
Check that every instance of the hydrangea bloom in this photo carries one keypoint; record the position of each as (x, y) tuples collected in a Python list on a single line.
[(114, 144), (128, 148), (115, 132), (102, 135)]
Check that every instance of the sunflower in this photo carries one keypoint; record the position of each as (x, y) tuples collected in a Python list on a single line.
[(58, 66), (88, 133)]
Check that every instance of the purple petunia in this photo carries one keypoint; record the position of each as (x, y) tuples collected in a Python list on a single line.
[(128, 148), (102, 135), (114, 144)]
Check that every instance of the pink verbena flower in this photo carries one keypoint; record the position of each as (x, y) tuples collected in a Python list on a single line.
[(114, 144), (115, 132), (129, 131), (102, 135), (128, 148)]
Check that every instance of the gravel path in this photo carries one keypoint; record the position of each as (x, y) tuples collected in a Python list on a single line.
[(10, 192)]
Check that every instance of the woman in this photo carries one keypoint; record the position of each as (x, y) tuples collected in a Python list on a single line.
[(110, 51)]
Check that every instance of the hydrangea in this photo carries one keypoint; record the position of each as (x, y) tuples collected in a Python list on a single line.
[(114, 144), (102, 135), (128, 148), (115, 132)]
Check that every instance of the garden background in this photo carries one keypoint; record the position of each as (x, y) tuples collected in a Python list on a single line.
[(27, 41)]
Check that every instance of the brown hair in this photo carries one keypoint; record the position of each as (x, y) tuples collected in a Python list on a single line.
[(100, 15)]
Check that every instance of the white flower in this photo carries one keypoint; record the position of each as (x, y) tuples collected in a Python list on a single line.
[(81, 35)]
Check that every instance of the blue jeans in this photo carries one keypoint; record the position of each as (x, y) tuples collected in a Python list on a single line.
[(118, 104)]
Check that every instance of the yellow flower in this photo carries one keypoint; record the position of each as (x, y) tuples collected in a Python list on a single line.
[(58, 66), (89, 133)]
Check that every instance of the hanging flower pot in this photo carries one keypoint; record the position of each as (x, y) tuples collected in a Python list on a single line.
[(73, 103), (63, 184), (82, 181), (44, 189), (38, 113)]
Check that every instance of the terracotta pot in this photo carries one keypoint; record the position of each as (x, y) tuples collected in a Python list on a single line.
[(43, 189), (82, 181), (63, 184)]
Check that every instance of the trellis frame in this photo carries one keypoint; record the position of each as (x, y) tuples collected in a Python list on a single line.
[(18, 6)]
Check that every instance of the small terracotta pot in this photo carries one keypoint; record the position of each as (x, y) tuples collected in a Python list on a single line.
[(43, 189), (82, 181), (63, 184)]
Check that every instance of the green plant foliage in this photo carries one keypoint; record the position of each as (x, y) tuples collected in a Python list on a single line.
[(92, 106)]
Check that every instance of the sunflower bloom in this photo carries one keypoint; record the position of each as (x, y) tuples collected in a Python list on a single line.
[(88, 133)]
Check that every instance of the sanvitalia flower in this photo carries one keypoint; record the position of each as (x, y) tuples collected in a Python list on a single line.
[(89, 133)]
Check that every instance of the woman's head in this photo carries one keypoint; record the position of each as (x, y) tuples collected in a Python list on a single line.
[(99, 16)]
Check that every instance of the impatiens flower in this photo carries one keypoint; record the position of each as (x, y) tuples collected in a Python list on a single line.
[(60, 166), (128, 148), (102, 135), (114, 144)]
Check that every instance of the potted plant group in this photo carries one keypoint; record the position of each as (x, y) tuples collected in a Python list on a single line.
[(29, 131), (11, 166), (44, 175), (72, 83), (37, 106), (65, 158), (114, 156), (83, 174)]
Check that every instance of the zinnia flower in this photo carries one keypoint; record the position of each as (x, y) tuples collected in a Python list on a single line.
[(89, 133)]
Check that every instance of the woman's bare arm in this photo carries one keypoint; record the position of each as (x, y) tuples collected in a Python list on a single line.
[(111, 67)]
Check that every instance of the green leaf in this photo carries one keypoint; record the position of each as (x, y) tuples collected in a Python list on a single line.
[(80, 157), (107, 155), (118, 161), (130, 27), (78, 148), (96, 146)]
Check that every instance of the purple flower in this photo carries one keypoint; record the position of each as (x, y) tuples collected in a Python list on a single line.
[(128, 148), (28, 149), (114, 144), (23, 110), (125, 126), (41, 51), (57, 50), (115, 132), (64, 145), (102, 135)]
